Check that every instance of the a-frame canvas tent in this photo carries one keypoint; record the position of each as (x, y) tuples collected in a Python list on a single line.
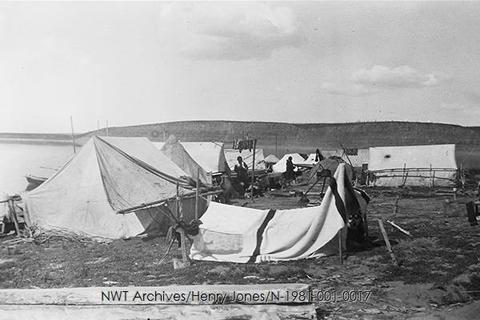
[(143, 149), (281, 165), (107, 175), (174, 150), (272, 159), (209, 155)]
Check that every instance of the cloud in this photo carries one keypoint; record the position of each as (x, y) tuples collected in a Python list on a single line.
[(230, 31), (454, 106), (462, 106), (398, 77), (472, 96), (369, 81), (353, 90)]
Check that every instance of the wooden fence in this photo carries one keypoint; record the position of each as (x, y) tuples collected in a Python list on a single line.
[(431, 176)]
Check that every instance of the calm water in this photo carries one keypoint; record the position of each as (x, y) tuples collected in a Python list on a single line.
[(18, 160)]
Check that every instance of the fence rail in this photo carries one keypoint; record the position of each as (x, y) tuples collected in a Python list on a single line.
[(432, 174)]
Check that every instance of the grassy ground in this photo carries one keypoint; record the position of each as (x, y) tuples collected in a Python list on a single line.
[(439, 266)]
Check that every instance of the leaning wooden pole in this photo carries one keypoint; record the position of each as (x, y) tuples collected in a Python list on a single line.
[(253, 168), (196, 194), (183, 238), (13, 216), (387, 242), (340, 245), (431, 177), (73, 135)]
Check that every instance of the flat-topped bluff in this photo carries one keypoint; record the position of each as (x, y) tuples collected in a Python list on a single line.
[(287, 137)]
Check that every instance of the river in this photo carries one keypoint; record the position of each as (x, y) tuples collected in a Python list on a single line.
[(18, 160)]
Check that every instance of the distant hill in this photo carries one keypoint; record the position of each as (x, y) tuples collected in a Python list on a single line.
[(281, 138)]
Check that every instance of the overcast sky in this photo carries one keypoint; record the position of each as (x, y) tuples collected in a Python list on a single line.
[(134, 63)]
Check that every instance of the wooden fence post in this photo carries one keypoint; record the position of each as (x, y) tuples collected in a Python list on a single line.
[(395, 205)]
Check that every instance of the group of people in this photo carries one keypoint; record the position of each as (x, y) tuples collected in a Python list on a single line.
[(241, 169)]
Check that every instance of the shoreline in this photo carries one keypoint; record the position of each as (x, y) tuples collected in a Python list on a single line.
[(36, 141)]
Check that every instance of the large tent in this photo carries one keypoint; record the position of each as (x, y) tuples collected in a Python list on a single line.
[(423, 165), (174, 150), (209, 155), (243, 235), (107, 176), (281, 165), (231, 156)]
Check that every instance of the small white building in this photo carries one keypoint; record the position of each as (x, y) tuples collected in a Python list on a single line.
[(424, 165)]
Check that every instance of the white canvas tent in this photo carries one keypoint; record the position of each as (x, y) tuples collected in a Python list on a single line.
[(108, 175), (158, 144), (143, 149), (271, 159), (242, 235), (281, 165), (174, 150), (231, 156), (209, 155), (424, 165)]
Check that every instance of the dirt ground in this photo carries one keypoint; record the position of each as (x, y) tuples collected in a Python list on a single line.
[(438, 276)]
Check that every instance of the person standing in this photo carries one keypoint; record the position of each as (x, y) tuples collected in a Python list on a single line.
[(318, 156), (290, 170), (241, 169)]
